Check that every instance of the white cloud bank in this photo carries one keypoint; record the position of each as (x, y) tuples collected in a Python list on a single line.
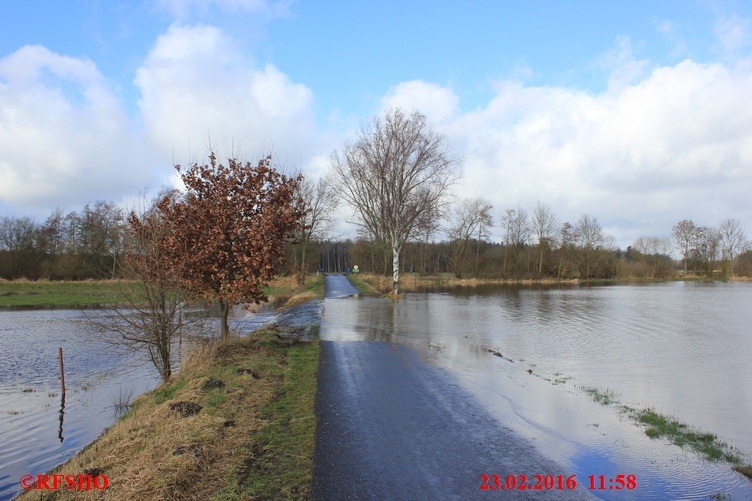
[(65, 138), (640, 157), (196, 85)]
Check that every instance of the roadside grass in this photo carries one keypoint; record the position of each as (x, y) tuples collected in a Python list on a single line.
[(236, 423), (657, 425), (364, 283)]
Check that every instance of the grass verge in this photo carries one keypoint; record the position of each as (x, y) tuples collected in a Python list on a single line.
[(363, 283), (237, 423)]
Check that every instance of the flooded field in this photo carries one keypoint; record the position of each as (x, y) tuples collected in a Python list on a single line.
[(38, 432), (684, 349)]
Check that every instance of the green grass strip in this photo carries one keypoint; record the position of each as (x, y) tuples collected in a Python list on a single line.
[(282, 467)]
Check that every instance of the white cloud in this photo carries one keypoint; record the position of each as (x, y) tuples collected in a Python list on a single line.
[(183, 9), (733, 34), (624, 68), (196, 84), (675, 144), (437, 103), (66, 139)]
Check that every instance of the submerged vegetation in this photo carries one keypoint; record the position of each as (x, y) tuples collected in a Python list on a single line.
[(657, 425)]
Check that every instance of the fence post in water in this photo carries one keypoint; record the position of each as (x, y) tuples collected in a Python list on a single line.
[(62, 372)]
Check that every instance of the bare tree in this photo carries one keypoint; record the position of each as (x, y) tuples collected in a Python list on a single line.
[(545, 226), (655, 254), (708, 249), (590, 238), (396, 175), (148, 318), (18, 235), (685, 235), (567, 237), (733, 241), (470, 217), (319, 202), (517, 232)]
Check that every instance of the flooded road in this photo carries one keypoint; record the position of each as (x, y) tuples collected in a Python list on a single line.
[(681, 348)]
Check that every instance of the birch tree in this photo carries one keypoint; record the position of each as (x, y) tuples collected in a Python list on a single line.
[(396, 175)]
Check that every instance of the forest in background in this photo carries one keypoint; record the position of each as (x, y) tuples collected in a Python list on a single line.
[(89, 244)]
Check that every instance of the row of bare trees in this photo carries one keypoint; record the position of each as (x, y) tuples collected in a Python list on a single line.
[(705, 248), (396, 176), (74, 246)]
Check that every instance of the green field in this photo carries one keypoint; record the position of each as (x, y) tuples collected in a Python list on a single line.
[(23, 293)]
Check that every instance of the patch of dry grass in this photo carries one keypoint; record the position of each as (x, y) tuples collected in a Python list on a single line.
[(156, 453), (410, 282)]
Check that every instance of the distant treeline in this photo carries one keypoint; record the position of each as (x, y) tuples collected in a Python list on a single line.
[(499, 261), (89, 244)]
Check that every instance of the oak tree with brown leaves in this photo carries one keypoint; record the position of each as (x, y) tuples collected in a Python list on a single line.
[(227, 232)]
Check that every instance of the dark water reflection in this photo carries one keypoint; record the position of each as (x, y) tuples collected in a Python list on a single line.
[(683, 348), (31, 422)]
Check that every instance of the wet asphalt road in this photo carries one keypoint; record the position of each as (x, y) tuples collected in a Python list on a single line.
[(392, 427)]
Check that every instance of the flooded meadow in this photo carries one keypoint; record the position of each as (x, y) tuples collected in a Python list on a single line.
[(536, 355), (38, 428)]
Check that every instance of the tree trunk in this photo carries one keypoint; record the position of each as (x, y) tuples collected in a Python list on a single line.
[(395, 269), (224, 311)]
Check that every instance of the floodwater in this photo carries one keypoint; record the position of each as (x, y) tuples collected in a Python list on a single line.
[(684, 349), (35, 436)]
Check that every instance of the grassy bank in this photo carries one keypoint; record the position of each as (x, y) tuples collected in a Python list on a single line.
[(237, 423), (409, 282), (372, 283), (363, 283)]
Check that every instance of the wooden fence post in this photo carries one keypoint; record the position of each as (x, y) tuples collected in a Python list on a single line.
[(62, 372)]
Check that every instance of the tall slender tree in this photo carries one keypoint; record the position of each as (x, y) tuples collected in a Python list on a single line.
[(685, 234), (545, 226), (470, 217), (396, 175)]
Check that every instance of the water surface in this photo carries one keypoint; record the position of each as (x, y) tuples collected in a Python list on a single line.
[(683, 348), (33, 437)]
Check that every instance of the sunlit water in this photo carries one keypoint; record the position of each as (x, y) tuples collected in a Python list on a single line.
[(33, 439), (684, 349)]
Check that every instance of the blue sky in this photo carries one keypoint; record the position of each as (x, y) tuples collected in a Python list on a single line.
[(639, 113)]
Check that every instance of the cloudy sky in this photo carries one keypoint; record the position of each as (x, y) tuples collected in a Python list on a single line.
[(639, 112)]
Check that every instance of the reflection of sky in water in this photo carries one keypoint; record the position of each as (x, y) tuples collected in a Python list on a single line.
[(95, 374), (683, 348)]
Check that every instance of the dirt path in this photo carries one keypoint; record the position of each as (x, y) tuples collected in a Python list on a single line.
[(391, 427)]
